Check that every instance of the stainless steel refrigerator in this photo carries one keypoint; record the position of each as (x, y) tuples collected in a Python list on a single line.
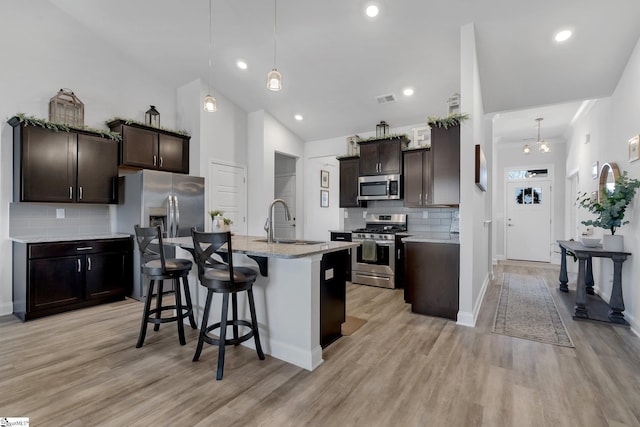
[(174, 201)]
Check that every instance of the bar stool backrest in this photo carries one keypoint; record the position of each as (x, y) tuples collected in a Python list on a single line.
[(205, 247), (150, 251)]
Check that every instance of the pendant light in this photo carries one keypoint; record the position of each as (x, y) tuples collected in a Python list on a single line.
[(210, 104), (274, 78), (542, 144)]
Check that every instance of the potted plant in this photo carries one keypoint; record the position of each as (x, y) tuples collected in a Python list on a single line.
[(610, 209), (218, 222)]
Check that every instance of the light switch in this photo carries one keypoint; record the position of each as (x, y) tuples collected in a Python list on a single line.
[(60, 213), (346, 213), (364, 214)]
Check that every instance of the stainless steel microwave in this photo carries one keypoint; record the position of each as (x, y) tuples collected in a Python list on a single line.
[(379, 187)]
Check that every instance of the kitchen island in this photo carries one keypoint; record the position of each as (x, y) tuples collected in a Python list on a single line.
[(288, 297)]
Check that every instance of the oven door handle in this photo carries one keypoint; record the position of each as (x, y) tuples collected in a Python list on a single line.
[(379, 243)]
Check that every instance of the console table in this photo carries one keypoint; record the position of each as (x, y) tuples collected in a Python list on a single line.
[(585, 278)]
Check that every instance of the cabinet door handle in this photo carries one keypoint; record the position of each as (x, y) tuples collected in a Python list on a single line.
[(80, 190), (79, 266), (420, 199), (84, 248), (70, 193), (160, 161), (88, 263), (154, 160)]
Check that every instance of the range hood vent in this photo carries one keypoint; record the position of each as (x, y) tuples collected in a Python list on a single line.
[(385, 99)]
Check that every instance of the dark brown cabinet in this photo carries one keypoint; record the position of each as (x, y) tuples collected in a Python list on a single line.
[(432, 176), (380, 157), (417, 178), (349, 172), (431, 281), (150, 148), (333, 292), (63, 167), (54, 277)]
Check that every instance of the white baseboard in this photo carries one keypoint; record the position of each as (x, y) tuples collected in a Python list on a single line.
[(6, 308), (466, 318)]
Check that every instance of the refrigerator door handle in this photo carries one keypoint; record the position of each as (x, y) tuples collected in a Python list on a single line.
[(177, 216), (169, 216)]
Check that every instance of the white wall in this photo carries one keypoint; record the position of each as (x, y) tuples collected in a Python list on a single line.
[(610, 123), (474, 235), (266, 136)]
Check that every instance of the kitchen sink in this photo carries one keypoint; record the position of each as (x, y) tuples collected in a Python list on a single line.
[(292, 242)]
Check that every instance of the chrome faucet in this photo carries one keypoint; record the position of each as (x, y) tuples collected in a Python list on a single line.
[(268, 226)]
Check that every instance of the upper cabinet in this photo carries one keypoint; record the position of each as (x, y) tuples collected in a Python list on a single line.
[(382, 156), (63, 167), (151, 148), (349, 172), (417, 178), (432, 177)]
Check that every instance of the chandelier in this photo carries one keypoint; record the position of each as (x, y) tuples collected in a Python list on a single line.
[(543, 145)]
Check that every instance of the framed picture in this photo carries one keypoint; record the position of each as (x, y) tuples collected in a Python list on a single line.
[(324, 198), (595, 169), (634, 153), (324, 179), (481, 169)]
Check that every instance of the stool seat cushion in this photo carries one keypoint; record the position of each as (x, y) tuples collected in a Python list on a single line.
[(218, 279), (173, 266)]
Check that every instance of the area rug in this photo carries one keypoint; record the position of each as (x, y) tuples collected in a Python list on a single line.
[(526, 310), (352, 324)]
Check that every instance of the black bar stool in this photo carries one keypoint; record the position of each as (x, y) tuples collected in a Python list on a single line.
[(224, 278), (156, 267)]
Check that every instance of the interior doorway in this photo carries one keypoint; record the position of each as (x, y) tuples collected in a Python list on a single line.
[(528, 225), (285, 189)]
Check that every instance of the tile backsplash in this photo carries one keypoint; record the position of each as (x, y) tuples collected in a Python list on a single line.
[(437, 220), (40, 219)]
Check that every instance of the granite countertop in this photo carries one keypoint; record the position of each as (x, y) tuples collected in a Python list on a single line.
[(250, 246), (453, 238), (67, 238)]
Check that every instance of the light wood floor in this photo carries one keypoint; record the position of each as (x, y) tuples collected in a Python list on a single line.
[(399, 369)]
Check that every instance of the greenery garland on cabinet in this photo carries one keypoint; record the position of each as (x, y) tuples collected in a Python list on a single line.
[(59, 127), (453, 119)]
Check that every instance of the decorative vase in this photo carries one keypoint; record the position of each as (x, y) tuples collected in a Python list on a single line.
[(613, 242), (217, 224)]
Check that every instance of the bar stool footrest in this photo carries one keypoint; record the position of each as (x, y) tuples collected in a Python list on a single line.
[(229, 341), (186, 312)]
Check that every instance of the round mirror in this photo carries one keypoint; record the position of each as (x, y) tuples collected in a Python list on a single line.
[(608, 176)]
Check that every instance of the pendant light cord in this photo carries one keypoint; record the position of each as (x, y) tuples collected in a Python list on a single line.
[(209, 76), (275, 18)]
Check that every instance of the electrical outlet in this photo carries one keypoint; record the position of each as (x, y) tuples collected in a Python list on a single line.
[(60, 213), (425, 214), (346, 214), (456, 214), (364, 214)]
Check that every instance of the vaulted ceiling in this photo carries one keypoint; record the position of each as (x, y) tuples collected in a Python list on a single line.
[(336, 61)]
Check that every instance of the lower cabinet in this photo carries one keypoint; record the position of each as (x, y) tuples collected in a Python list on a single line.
[(333, 293), (432, 276), (54, 277)]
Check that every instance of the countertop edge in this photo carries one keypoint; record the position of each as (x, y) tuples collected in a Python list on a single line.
[(80, 237)]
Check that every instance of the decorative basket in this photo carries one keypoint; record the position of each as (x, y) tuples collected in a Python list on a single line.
[(65, 108)]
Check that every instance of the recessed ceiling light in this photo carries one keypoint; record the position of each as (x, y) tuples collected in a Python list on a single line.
[(562, 36), (298, 117), (372, 11), (241, 64), (407, 91)]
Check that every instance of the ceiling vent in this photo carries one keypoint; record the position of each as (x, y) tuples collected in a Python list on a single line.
[(385, 99)]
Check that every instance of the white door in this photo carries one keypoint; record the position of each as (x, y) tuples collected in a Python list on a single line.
[(285, 189), (228, 193), (529, 220)]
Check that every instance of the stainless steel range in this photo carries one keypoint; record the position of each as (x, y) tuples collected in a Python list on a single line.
[(374, 261)]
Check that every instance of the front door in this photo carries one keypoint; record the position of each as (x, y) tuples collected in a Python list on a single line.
[(529, 220)]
